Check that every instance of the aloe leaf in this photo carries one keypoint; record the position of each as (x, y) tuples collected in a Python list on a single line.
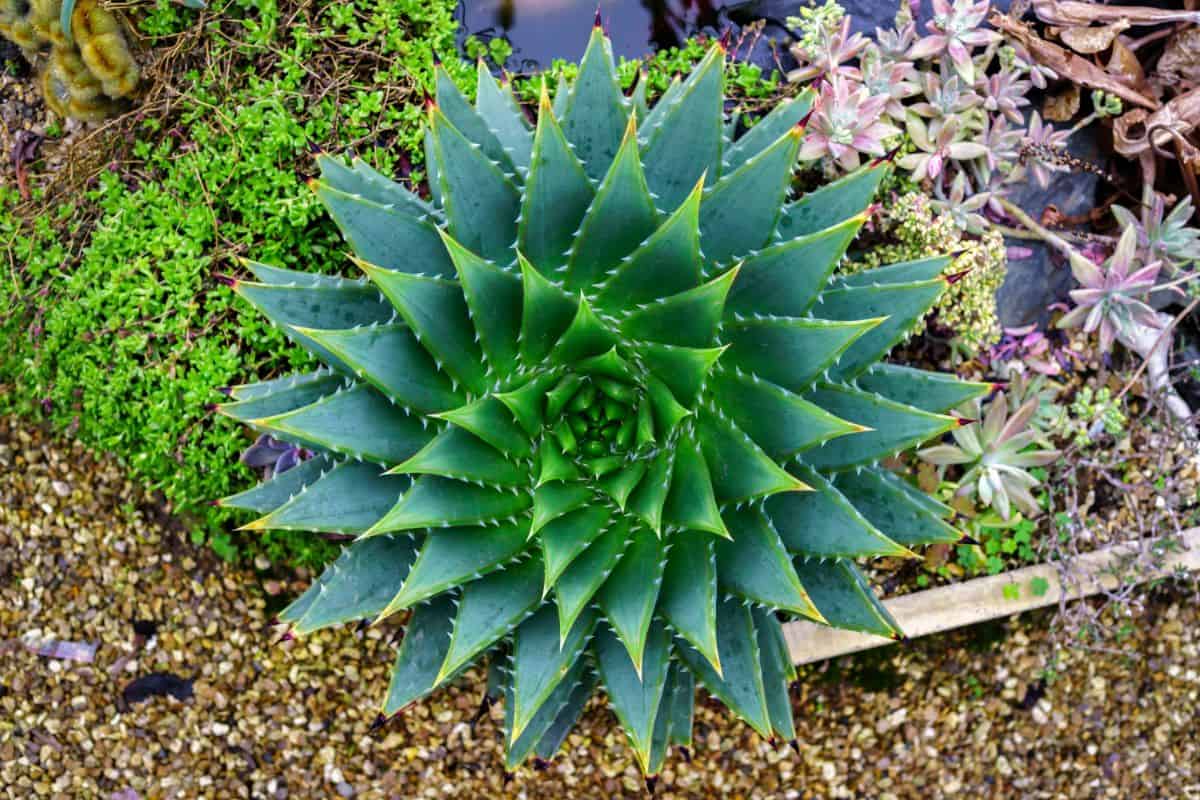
[(637, 98), (824, 524), (490, 608), (783, 118), (295, 279), (546, 313), (620, 484), (667, 263), (929, 391), (391, 359), (755, 565), (490, 420), (357, 422), (577, 586), (786, 278), (356, 586), (629, 595), (777, 671), (686, 140), (557, 195), (741, 688), (779, 422), (620, 218), (552, 500), (436, 311), (586, 336), (363, 180), (433, 173), (739, 468), (648, 499), (923, 269), (635, 690), (554, 718), (689, 592), (740, 211), (455, 453), (325, 307), (595, 114), (426, 641), (691, 501), (666, 410), (271, 494), (683, 369), (832, 203), (921, 499), (283, 399), (904, 305), (891, 510), (350, 498), (656, 114), (253, 391), (434, 500), (541, 659), (568, 535), (687, 319), (893, 427), (499, 110), (841, 593), (494, 299), (553, 466), (788, 351), (481, 202), (527, 402), (469, 122), (681, 688), (554, 736), (452, 556), (386, 236)]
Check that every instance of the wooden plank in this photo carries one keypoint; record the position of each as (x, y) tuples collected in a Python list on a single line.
[(981, 599)]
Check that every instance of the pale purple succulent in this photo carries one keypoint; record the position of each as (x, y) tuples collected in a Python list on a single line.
[(1109, 296), (847, 122), (1162, 236), (961, 204), (954, 30), (936, 151), (1041, 141), (1004, 93), (272, 456), (944, 99), (996, 453), (1036, 350), (830, 58), (893, 79), (894, 44)]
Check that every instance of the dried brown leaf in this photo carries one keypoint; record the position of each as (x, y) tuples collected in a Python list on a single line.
[(1133, 130), (1124, 64), (1067, 64), (1180, 60), (1063, 106), (1089, 40), (1070, 13)]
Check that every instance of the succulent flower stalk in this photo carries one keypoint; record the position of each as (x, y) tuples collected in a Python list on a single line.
[(597, 412)]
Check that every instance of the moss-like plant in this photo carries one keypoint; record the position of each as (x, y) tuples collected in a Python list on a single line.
[(598, 409)]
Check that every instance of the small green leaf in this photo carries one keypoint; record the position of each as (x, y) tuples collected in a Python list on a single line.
[(577, 586), (546, 313), (586, 336), (687, 319), (568, 535), (271, 494), (788, 351), (783, 118), (892, 511), (832, 203), (777, 671), (284, 398), (1039, 586), (468, 122), (635, 691), (499, 110), (683, 369), (648, 499), (385, 235), (691, 502), (552, 500), (455, 453), (595, 114), (929, 391), (738, 468), (362, 179), (490, 420), (551, 722), (493, 297)]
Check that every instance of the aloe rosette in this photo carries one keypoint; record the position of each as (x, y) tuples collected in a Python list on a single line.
[(599, 411)]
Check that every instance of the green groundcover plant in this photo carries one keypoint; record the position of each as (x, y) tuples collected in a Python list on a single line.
[(599, 409)]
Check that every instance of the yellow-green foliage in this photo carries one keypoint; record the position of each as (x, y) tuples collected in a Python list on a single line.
[(915, 230), (86, 78)]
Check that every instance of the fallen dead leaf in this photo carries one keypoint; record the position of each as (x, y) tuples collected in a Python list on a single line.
[(1067, 13), (1088, 40), (1063, 106), (1180, 61)]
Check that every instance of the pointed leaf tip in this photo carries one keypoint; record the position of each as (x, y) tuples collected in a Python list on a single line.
[(955, 277), (227, 280)]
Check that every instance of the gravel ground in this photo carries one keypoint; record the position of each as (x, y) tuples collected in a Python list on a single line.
[(85, 557)]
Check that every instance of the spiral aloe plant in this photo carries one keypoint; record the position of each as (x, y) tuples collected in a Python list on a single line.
[(598, 410)]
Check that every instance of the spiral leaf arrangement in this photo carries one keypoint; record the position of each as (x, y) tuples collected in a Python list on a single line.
[(599, 410)]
